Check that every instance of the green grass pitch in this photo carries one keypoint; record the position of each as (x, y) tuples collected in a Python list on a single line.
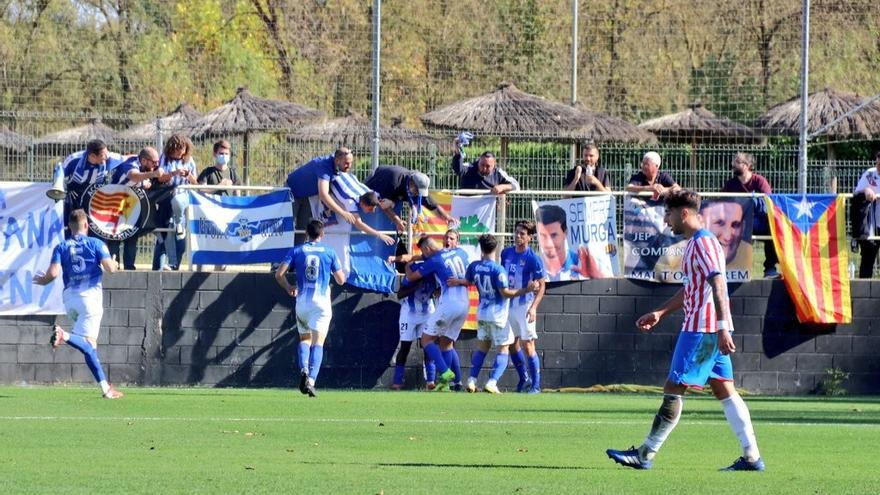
[(67, 440)]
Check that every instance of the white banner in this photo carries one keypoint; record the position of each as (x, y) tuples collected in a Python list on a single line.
[(577, 237), (31, 227)]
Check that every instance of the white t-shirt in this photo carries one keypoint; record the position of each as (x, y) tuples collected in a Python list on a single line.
[(870, 179)]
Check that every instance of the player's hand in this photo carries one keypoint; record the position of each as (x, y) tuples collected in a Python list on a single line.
[(293, 292), (38, 278), (725, 342), (647, 322), (531, 315), (386, 239), (400, 224), (348, 217), (534, 285)]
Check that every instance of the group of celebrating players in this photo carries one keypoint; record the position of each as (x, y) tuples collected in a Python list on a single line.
[(509, 295)]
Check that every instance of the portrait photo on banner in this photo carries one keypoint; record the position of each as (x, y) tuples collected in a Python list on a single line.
[(577, 237), (653, 252)]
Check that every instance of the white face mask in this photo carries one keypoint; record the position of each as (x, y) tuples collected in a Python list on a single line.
[(222, 160)]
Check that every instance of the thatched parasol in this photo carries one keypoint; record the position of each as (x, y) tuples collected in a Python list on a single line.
[(823, 108), (507, 113), (13, 141), (695, 124), (355, 131), (74, 139), (602, 128), (179, 120), (246, 113)]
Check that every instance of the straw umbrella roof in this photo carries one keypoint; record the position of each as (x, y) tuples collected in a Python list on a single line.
[(823, 107), (246, 113), (12, 140), (355, 131), (179, 120), (506, 112), (697, 121), (602, 128), (75, 138)]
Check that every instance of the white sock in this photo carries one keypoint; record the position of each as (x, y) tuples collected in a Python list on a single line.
[(737, 414), (311, 381), (105, 387), (491, 383), (65, 335)]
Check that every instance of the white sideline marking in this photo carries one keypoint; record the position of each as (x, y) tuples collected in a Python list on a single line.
[(538, 422)]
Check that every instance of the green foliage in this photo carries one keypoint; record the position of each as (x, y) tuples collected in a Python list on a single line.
[(832, 383)]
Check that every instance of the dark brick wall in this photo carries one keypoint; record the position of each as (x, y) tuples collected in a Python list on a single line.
[(226, 329)]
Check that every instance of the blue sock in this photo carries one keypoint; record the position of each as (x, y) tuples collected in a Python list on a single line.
[(499, 366), (430, 369), (519, 362), (451, 358), (315, 361), (399, 371), (304, 356), (91, 354), (436, 355), (477, 363), (535, 371)]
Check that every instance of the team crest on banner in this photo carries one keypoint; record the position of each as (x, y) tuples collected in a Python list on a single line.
[(116, 212), (476, 215)]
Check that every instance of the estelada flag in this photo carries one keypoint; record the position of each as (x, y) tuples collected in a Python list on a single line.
[(809, 233), (476, 215)]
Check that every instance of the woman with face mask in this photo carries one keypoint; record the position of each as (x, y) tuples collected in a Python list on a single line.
[(221, 173)]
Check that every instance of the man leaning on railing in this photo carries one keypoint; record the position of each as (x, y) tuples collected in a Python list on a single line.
[(651, 179), (482, 173)]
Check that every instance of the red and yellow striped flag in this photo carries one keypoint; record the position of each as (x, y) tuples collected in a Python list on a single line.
[(809, 233)]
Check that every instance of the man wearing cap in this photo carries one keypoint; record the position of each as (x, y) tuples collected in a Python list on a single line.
[(398, 184), (482, 173)]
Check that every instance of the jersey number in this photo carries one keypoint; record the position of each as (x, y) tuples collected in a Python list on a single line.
[(78, 263), (455, 267), (484, 286), (313, 264)]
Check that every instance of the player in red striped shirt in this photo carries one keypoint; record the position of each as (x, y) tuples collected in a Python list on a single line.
[(702, 353)]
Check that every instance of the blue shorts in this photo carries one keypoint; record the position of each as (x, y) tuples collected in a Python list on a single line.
[(697, 360)]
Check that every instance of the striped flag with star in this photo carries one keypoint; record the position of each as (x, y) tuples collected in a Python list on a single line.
[(809, 233)]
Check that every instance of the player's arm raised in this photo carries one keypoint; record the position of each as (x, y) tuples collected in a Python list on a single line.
[(722, 309), (649, 320)]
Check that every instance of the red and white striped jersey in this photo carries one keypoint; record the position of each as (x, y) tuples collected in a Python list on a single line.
[(703, 258)]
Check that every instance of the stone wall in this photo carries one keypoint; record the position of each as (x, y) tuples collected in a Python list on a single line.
[(223, 329)]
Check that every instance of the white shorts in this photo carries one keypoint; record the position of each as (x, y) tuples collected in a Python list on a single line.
[(519, 324), (490, 330), (312, 318), (447, 319), (85, 309), (411, 325)]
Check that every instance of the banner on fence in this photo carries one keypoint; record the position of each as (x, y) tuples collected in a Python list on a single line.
[(32, 226), (653, 252), (475, 215), (239, 230), (577, 237), (809, 233)]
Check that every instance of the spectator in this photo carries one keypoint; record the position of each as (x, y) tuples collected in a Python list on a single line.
[(745, 180), (482, 172), (589, 175), (221, 173), (869, 185), (178, 168), (354, 196), (135, 171), (310, 185), (651, 179), (84, 168), (397, 184)]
